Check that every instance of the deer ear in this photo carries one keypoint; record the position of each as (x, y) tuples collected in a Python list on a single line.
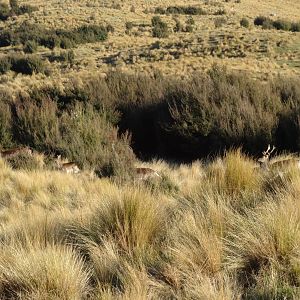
[(59, 157)]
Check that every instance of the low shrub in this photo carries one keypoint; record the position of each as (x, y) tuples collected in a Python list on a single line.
[(4, 11), (160, 28), (282, 25), (54, 38), (5, 64), (27, 64), (295, 27), (24, 161), (259, 21), (30, 47), (244, 22)]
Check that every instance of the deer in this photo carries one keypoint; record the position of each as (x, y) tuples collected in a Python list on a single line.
[(15, 151), (68, 167), (145, 173), (266, 163)]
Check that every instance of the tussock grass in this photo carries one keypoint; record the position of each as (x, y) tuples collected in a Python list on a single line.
[(42, 273), (229, 230)]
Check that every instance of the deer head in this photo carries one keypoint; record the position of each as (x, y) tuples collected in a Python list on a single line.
[(266, 155)]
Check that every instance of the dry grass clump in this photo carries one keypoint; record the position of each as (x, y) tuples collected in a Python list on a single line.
[(235, 173), (229, 231), (266, 242), (42, 273), (132, 218)]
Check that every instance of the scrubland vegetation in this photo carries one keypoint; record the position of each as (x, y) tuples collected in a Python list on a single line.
[(114, 86), (220, 228)]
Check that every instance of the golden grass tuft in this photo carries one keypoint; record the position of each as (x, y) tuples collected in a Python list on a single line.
[(228, 231), (53, 272)]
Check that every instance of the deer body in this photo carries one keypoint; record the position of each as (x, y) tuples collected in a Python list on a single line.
[(69, 167), (145, 173), (15, 151)]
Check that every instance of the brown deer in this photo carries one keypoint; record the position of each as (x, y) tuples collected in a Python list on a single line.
[(68, 167), (145, 173), (15, 151)]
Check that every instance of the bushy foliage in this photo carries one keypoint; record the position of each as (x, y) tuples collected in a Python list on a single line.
[(160, 28), (27, 64), (30, 47), (5, 64), (53, 38), (280, 24), (24, 161), (184, 10), (4, 11), (182, 119), (244, 22)]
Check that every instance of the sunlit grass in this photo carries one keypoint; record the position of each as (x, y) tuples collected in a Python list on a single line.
[(219, 230)]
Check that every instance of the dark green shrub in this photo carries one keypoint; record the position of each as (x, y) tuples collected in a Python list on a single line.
[(160, 28), (66, 43), (27, 65), (268, 24), (184, 10), (244, 22), (295, 27), (91, 33), (159, 10), (282, 25), (51, 41), (5, 64), (156, 20), (4, 11), (6, 137), (6, 38), (259, 21), (30, 47), (128, 25), (24, 161)]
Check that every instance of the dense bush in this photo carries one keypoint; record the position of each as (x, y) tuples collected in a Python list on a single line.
[(244, 22), (24, 161), (268, 23), (4, 11), (27, 64), (79, 131), (5, 64), (184, 10), (282, 25), (295, 27), (53, 38), (30, 47), (160, 28), (168, 117)]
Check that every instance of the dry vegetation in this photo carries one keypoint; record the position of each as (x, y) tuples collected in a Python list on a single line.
[(220, 230), (105, 83)]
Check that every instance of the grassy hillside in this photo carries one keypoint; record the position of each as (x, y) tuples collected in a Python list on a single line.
[(213, 37), (220, 230), (106, 84)]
